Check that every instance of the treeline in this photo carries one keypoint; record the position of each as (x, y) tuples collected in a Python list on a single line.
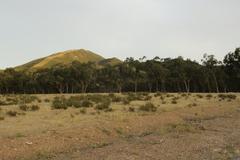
[(164, 75)]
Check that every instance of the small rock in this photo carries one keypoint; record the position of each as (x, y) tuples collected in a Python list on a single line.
[(29, 143), (217, 150)]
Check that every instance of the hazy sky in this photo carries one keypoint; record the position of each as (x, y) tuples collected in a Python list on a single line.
[(31, 29)]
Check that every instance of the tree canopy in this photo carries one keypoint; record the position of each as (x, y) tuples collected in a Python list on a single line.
[(163, 75)]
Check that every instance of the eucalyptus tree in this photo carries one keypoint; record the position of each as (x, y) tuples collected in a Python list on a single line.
[(211, 64), (232, 68)]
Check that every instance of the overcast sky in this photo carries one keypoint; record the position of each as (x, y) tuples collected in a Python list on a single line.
[(30, 29)]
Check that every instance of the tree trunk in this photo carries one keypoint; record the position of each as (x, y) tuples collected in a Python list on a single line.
[(157, 87), (187, 85), (216, 83), (119, 88), (67, 88), (135, 86), (150, 87)]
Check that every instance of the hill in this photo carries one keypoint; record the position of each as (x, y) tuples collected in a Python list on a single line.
[(66, 58)]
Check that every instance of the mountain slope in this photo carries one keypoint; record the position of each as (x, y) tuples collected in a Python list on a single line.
[(66, 58), (110, 61)]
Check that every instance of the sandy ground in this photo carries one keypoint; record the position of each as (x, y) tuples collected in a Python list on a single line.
[(209, 129)]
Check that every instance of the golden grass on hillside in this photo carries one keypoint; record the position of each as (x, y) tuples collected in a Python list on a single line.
[(67, 57)]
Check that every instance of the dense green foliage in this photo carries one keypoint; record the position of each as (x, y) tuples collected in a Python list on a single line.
[(165, 75)]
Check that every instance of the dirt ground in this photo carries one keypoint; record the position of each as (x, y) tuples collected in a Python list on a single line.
[(196, 127)]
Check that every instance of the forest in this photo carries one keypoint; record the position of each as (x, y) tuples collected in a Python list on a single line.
[(132, 75)]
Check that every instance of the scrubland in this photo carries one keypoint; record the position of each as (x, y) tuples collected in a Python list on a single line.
[(120, 126)]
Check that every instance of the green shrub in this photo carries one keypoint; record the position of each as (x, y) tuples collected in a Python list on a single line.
[(131, 109), (169, 95), (23, 107), (231, 96), (83, 111), (103, 105), (116, 98), (162, 98), (86, 103), (108, 110), (74, 101), (148, 107), (111, 95), (135, 96), (12, 100), (46, 100), (147, 98), (126, 101), (158, 94), (209, 96), (174, 101), (78, 102), (1, 118), (59, 103), (199, 96), (34, 108), (97, 98), (184, 95), (2, 103), (192, 105), (164, 102), (24, 99), (227, 96), (12, 113)]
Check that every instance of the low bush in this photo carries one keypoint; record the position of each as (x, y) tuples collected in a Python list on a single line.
[(103, 105), (83, 111), (59, 103), (25, 99), (184, 95), (108, 110), (126, 101), (209, 96), (1, 118), (116, 99), (12, 113), (147, 98), (46, 100), (199, 96), (174, 101), (227, 96), (162, 98), (164, 102), (86, 103), (158, 94), (192, 105), (13, 100), (74, 101), (97, 98), (148, 107), (23, 107), (2, 103), (135, 97), (131, 109), (169, 95), (34, 107)]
